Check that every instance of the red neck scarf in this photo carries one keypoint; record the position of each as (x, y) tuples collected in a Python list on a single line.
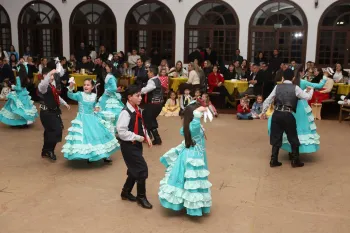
[(136, 126), (55, 94)]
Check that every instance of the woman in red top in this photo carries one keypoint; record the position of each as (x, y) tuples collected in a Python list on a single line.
[(216, 83)]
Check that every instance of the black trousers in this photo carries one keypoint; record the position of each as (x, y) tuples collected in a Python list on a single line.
[(150, 114), (223, 91), (53, 126), (134, 160), (283, 122)]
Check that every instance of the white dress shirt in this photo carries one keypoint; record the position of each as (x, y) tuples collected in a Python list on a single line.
[(151, 85), (298, 92), (123, 125)]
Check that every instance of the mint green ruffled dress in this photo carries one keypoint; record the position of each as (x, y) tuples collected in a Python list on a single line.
[(89, 136), (19, 108), (185, 184)]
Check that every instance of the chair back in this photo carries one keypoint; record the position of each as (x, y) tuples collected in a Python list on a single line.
[(333, 93)]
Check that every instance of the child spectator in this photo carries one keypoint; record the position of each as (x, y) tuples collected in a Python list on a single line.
[(171, 107), (206, 99), (257, 107), (185, 100), (5, 90), (243, 111), (197, 94), (164, 80)]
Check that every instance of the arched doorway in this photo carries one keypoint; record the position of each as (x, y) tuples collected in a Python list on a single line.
[(278, 25), (40, 28), (151, 24), (212, 24), (93, 23), (333, 40), (5, 30)]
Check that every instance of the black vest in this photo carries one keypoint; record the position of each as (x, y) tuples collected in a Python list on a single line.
[(132, 122), (156, 95), (285, 96), (48, 99)]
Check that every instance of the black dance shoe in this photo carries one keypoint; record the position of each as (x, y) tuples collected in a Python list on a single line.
[(127, 195), (51, 155), (144, 203), (107, 160), (275, 163), (296, 163)]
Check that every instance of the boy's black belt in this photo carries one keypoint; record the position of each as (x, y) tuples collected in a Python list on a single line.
[(45, 108), (283, 108)]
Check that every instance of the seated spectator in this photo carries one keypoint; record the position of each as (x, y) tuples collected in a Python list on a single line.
[(255, 81), (13, 61), (345, 100), (238, 70), (245, 69), (257, 107), (339, 73), (164, 80), (125, 70), (323, 94), (171, 107), (132, 59), (85, 65), (5, 89), (243, 111), (177, 71), (207, 68), (216, 83), (164, 65), (230, 73), (193, 81), (72, 64)]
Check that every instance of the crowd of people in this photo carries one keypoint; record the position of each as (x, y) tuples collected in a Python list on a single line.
[(106, 122)]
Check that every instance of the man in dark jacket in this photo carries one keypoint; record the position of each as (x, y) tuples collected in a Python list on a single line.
[(256, 81), (140, 74), (196, 54), (238, 57), (211, 56), (275, 62)]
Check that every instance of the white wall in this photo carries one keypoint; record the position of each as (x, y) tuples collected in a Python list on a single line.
[(120, 8)]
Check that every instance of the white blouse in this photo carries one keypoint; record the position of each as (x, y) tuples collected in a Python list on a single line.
[(193, 78), (338, 76)]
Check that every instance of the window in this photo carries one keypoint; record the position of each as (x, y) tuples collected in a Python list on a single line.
[(93, 23), (5, 30), (151, 25), (278, 25), (212, 24), (333, 41), (40, 28)]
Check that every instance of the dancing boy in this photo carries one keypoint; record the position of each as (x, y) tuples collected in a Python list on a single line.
[(285, 97), (153, 104), (132, 133), (50, 113)]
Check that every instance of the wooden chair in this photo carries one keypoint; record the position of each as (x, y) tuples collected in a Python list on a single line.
[(343, 108)]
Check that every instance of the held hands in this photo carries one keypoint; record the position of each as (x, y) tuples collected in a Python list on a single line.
[(97, 109), (149, 142)]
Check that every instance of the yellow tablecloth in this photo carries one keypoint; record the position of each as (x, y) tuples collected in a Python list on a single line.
[(79, 78), (241, 86), (174, 83), (343, 89)]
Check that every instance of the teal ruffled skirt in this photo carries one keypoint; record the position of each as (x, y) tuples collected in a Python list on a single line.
[(18, 110), (306, 128), (186, 184), (111, 104), (89, 138)]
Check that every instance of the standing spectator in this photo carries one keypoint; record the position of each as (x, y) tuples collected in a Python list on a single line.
[(13, 51), (98, 71), (27, 53), (143, 54), (268, 80), (238, 57), (141, 75), (211, 56), (132, 59), (155, 57), (103, 53), (81, 52), (164, 80), (275, 62), (260, 58), (93, 53), (196, 54)]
